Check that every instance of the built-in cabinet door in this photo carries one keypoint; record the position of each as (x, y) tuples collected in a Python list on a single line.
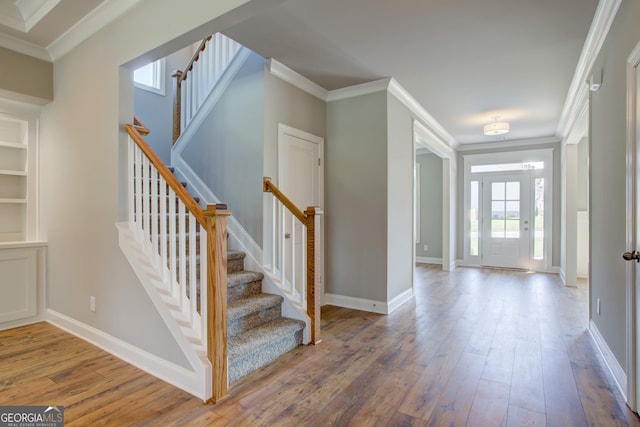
[(506, 224)]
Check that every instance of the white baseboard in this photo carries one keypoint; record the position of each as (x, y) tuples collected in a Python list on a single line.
[(399, 300), (150, 363), (427, 260), (21, 322), (372, 306), (609, 359)]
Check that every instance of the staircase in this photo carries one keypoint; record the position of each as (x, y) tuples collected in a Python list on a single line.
[(258, 334)]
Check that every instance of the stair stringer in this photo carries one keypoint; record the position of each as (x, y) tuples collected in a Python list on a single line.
[(212, 99), (240, 240), (198, 381)]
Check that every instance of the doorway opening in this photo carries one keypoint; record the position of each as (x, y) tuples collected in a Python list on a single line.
[(507, 202)]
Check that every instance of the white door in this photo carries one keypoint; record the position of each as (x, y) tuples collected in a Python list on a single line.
[(299, 179), (505, 226)]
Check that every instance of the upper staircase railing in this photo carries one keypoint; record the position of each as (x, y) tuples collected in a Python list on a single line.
[(192, 86), (173, 229), (304, 283)]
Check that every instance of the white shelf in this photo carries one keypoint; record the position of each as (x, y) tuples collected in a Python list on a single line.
[(13, 200), (12, 172), (13, 145)]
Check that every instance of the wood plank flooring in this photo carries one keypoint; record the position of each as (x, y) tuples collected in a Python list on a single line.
[(476, 347)]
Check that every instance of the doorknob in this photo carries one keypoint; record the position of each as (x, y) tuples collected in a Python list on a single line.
[(630, 256), (287, 235)]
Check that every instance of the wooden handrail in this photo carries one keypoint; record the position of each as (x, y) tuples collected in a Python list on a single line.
[(310, 219), (141, 127), (168, 176), (194, 58), (269, 187)]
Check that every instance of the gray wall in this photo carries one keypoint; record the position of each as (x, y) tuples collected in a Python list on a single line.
[(27, 76), (156, 111), (293, 107), (556, 196), (607, 179), (227, 150), (430, 205), (356, 197)]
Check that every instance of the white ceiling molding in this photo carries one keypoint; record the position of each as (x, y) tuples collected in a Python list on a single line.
[(515, 143), (359, 90), (34, 10), (602, 21), (580, 127), (423, 115), (108, 11), (285, 73), (23, 47), (426, 139)]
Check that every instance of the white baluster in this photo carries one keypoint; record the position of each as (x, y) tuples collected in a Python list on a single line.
[(139, 184), (187, 105), (283, 254), (292, 243), (131, 180), (156, 181), (193, 270), (303, 288), (145, 200), (163, 200), (183, 106), (203, 283), (173, 261), (182, 255)]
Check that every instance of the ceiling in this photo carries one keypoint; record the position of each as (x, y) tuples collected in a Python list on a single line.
[(464, 61)]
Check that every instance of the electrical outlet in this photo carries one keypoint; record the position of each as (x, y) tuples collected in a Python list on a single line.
[(92, 303), (598, 306), (426, 248)]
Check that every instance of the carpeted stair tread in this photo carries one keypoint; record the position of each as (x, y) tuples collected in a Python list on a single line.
[(231, 255), (261, 336), (238, 277), (252, 304)]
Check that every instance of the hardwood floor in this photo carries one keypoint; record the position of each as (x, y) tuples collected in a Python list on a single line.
[(475, 347)]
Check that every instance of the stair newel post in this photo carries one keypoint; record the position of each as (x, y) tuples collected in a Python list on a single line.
[(177, 104), (313, 270), (216, 227)]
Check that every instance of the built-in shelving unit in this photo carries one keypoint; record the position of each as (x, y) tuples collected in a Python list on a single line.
[(14, 179)]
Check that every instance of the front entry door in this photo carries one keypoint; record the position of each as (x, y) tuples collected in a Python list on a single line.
[(506, 223)]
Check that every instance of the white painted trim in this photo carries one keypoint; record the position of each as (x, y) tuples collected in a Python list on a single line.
[(212, 99), (33, 12), (359, 90), (399, 300), (290, 76), (427, 260), (609, 359), (372, 306), (508, 145), (98, 18), (23, 47), (423, 115), (604, 16), (167, 371)]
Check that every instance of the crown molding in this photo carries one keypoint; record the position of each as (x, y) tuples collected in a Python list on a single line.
[(296, 79), (23, 47), (359, 90), (107, 12), (34, 10), (422, 114), (515, 143), (602, 21)]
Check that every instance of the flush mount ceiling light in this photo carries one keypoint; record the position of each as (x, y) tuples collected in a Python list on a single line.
[(496, 128)]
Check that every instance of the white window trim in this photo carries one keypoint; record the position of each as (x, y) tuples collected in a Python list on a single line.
[(159, 77), (545, 155)]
